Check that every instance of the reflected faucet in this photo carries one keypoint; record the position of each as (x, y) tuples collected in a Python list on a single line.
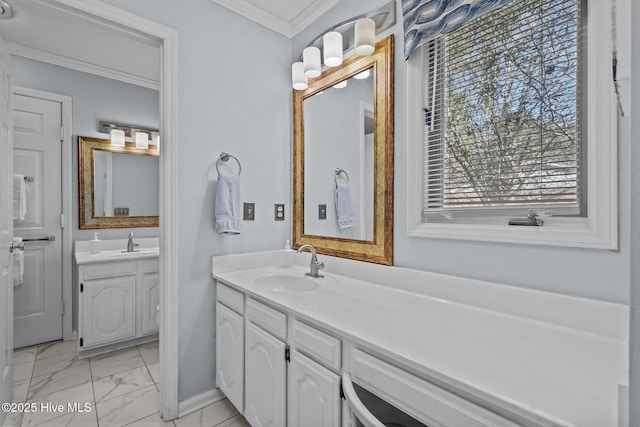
[(314, 266), (130, 244)]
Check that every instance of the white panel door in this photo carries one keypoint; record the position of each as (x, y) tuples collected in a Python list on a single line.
[(108, 310), (6, 231), (265, 378), (229, 355), (37, 155), (314, 394)]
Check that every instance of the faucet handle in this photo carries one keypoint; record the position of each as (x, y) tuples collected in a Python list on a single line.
[(131, 235), (320, 265)]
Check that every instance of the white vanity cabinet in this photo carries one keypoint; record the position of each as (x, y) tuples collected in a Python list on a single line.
[(116, 304), (230, 354)]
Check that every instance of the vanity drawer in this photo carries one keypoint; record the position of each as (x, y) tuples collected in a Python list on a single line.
[(424, 401), (231, 298), (151, 266), (267, 318), (318, 345), (108, 269)]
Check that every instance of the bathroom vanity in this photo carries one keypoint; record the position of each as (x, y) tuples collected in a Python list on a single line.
[(445, 350), (118, 295)]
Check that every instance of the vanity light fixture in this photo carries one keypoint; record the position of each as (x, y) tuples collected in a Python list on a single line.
[(358, 33), (363, 75), (142, 140), (117, 137), (340, 85), (119, 134)]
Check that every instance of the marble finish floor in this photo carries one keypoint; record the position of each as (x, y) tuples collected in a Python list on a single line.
[(112, 390)]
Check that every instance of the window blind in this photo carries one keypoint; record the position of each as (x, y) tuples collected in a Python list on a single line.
[(502, 111)]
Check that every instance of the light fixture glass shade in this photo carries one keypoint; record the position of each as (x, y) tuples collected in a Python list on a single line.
[(142, 140), (363, 75), (311, 61), (117, 137), (298, 80), (332, 45), (340, 85), (365, 36)]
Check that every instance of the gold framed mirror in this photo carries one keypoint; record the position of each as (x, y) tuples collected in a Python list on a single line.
[(118, 186), (343, 159)]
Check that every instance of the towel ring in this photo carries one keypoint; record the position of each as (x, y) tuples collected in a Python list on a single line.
[(225, 158), (338, 172)]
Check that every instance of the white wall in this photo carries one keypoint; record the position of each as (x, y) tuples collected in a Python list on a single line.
[(94, 98), (588, 273), (234, 96)]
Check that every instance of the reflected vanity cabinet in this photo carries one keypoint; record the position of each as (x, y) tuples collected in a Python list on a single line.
[(117, 303), (274, 369)]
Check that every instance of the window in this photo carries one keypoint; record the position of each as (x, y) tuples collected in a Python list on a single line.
[(500, 119)]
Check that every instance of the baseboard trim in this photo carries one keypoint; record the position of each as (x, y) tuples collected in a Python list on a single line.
[(186, 407)]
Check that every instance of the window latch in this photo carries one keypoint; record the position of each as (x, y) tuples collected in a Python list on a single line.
[(531, 220)]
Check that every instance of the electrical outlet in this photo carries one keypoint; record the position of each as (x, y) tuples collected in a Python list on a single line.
[(120, 211), (322, 211), (279, 211), (249, 213)]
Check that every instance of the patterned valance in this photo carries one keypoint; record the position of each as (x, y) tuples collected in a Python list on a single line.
[(426, 19)]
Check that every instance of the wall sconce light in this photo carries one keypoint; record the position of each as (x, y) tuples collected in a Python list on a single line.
[(142, 140), (117, 137), (358, 32), (119, 134)]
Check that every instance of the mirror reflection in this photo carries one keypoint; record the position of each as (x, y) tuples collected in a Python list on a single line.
[(339, 159), (119, 186)]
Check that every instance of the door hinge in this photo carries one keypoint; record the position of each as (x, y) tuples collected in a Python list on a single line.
[(61, 220), (287, 354), (62, 307), (61, 133), (81, 287), (81, 342), (341, 391)]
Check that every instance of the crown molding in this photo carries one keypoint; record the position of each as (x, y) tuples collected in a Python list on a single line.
[(275, 23), (83, 66)]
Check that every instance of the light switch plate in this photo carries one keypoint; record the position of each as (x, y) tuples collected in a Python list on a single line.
[(322, 211), (249, 213), (278, 211)]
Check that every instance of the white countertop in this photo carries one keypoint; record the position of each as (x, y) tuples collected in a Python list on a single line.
[(115, 250), (560, 375)]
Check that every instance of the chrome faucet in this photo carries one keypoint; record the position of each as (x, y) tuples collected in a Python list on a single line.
[(314, 265), (130, 244)]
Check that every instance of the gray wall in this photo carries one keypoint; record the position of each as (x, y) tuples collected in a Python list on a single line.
[(234, 96), (588, 273), (94, 98)]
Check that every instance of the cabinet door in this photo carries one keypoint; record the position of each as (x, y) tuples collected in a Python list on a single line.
[(108, 310), (150, 302), (229, 355), (314, 394), (265, 380)]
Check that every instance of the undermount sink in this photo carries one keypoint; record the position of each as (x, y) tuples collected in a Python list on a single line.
[(286, 283), (142, 251)]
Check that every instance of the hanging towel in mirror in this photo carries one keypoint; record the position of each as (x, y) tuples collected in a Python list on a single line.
[(228, 207), (18, 263), (346, 218), (19, 198)]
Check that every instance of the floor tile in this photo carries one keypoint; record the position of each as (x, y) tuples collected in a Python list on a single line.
[(13, 419), (154, 370), (49, 383), (128, 408), (23, 371), (20, 390), (237, 421), (56, 348), (83, 419), (115, 385), (117, 361), (152, 421), (25, 355), (210, 416), (79, 395), (150, 352), (57, 363)]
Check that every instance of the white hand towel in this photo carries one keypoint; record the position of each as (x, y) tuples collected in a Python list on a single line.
[(19, 198), (18, 263), (228, 207), (346, 218)]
